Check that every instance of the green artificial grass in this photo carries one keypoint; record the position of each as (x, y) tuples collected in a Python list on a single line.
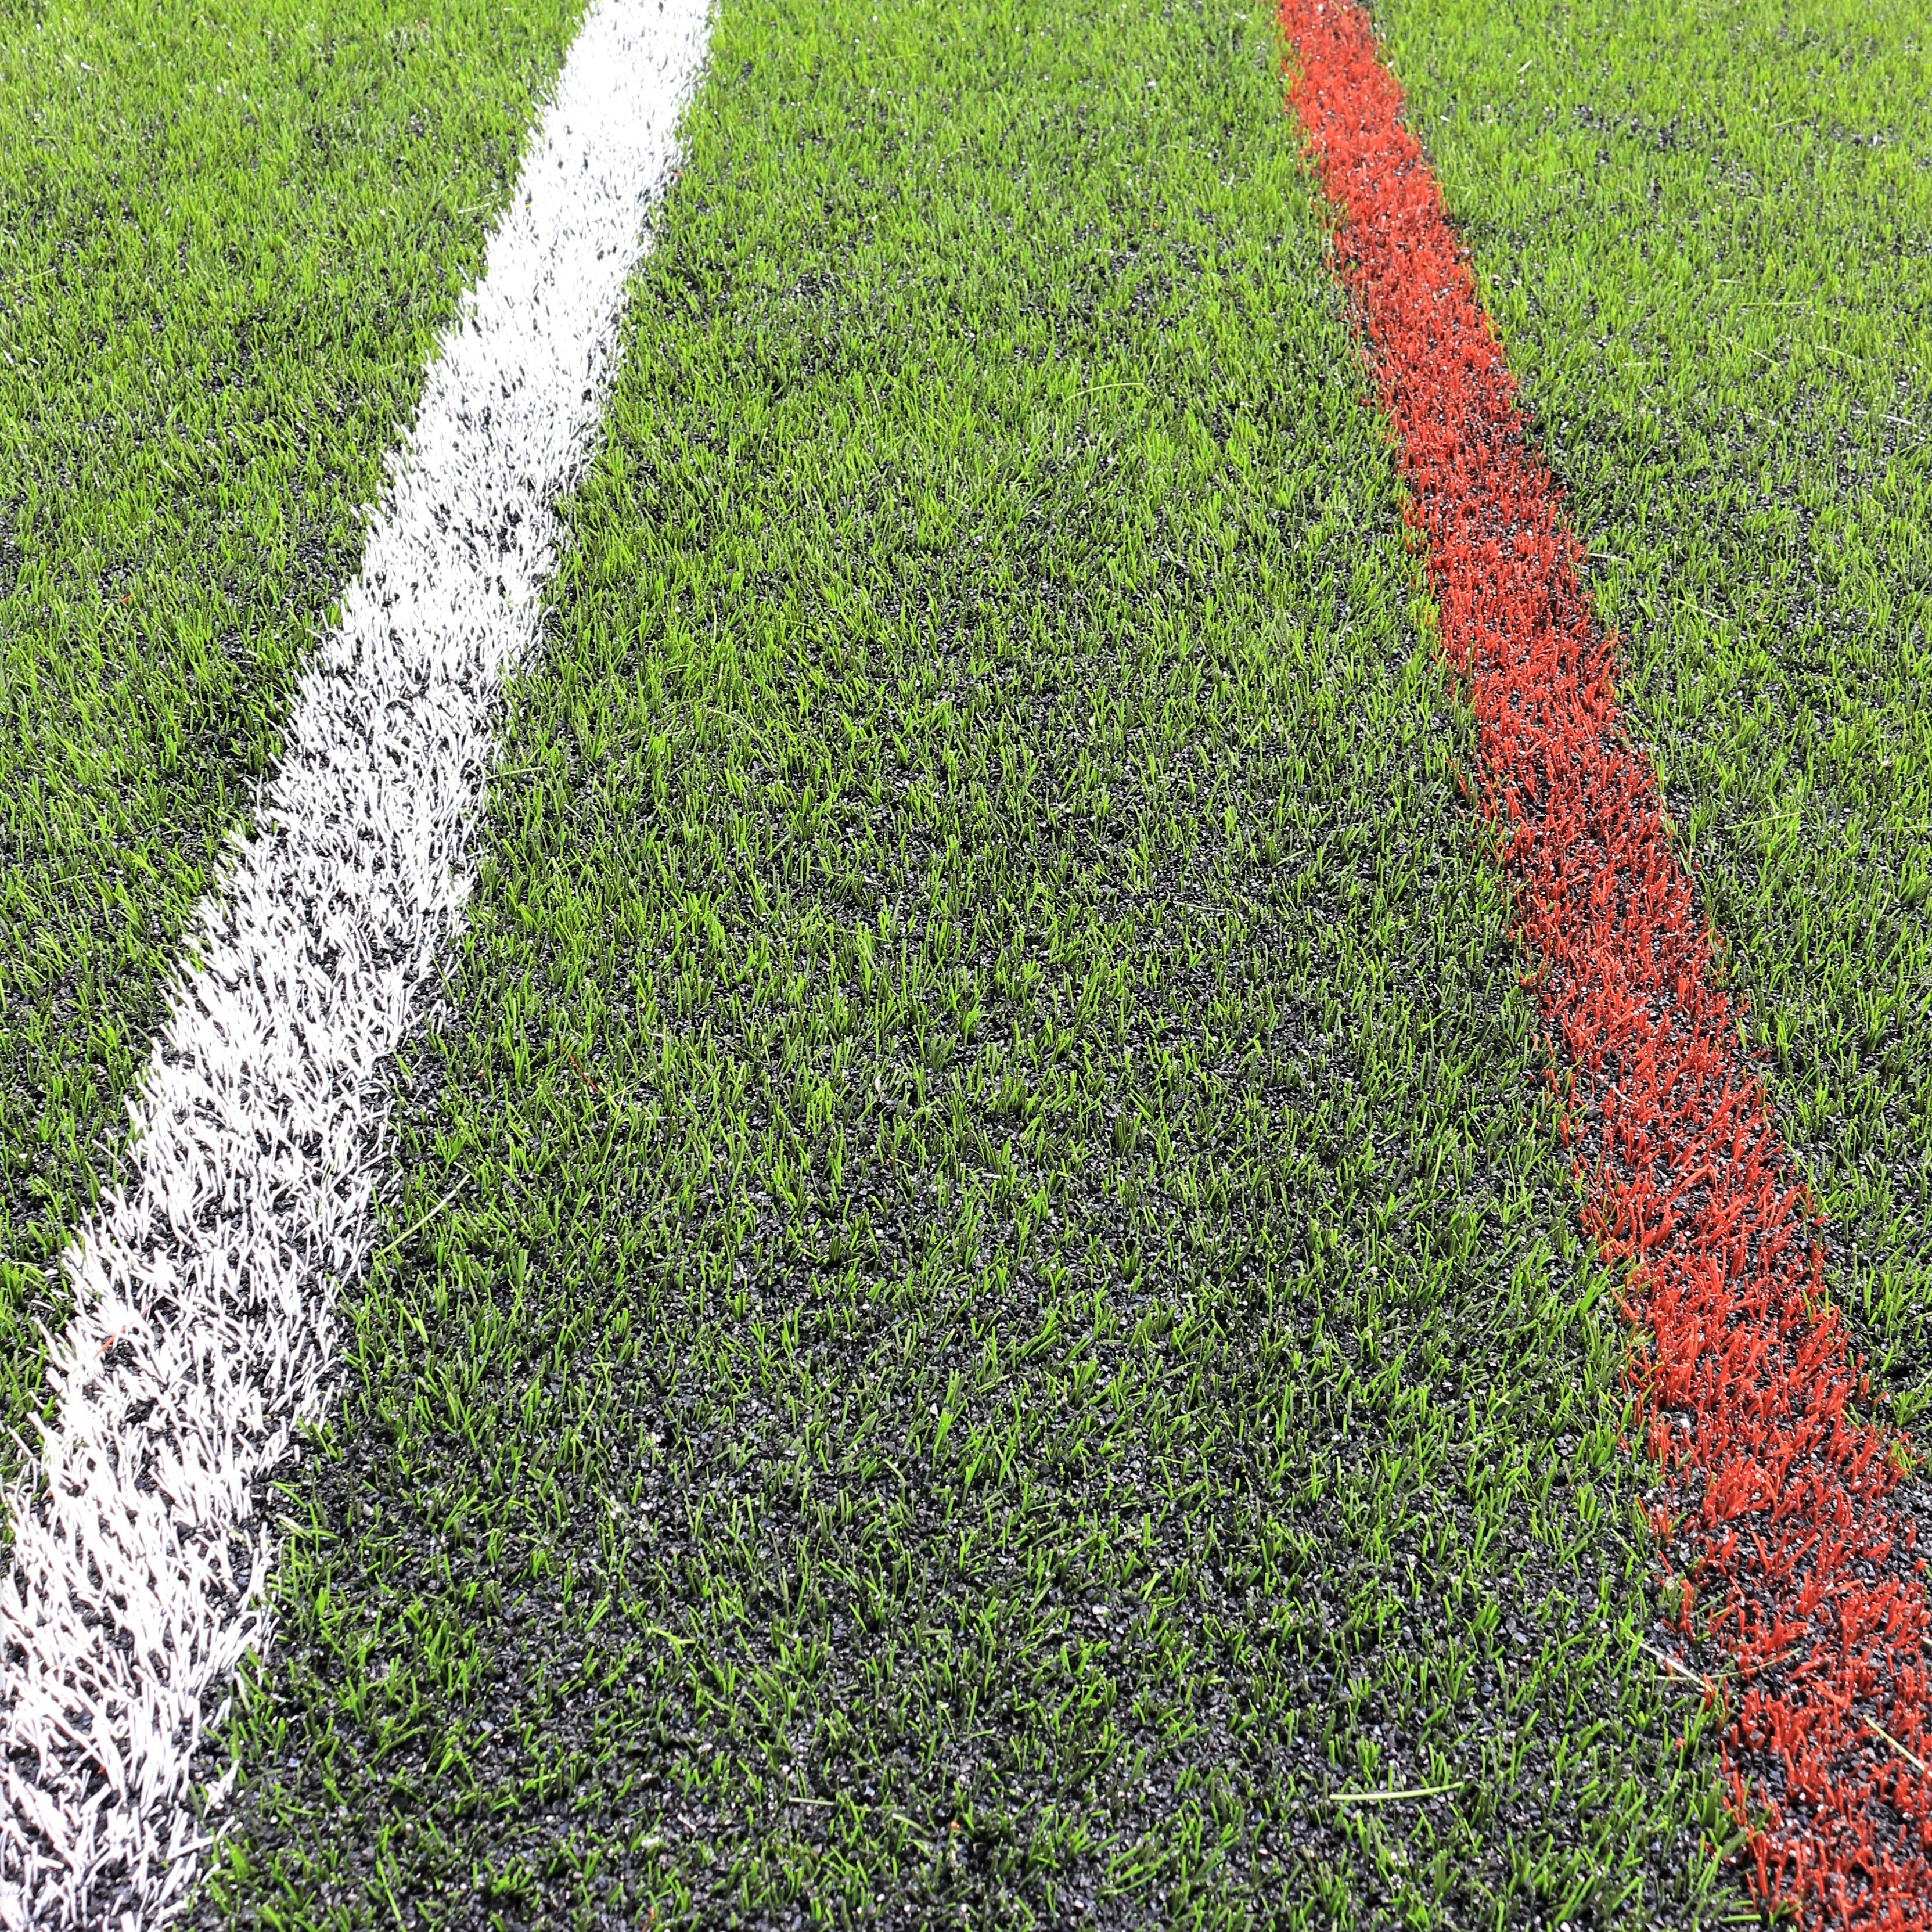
[(982, 1323), (1706, 231), (228, 236)]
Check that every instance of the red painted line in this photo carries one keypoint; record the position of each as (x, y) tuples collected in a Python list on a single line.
[(1775, 1515)]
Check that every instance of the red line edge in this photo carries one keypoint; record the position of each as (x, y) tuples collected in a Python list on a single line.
[(1775, 1517)]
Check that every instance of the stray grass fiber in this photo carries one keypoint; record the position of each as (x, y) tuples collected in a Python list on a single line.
[(228, 236), (1705, 232), (983, 1325)]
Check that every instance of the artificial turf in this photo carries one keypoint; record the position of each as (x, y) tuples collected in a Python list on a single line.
[(1777, 1500), (981, 1323), (228, 236), (1706, 231)]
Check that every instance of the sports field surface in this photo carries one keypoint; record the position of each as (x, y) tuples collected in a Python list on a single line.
[(965, 964)]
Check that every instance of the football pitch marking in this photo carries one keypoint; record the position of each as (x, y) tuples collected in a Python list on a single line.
[(1775, 1516), (203, 1331)]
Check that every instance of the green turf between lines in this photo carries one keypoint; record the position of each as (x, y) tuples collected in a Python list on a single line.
[(983, 1314)]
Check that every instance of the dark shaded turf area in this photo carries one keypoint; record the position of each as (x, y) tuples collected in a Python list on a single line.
[(982, 1324)]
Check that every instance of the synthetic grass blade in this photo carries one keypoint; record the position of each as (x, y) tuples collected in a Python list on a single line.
[(1775, 1513), (201, 1331)]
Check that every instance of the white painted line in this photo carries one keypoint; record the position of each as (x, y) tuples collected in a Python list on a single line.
[(203, 1331)]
